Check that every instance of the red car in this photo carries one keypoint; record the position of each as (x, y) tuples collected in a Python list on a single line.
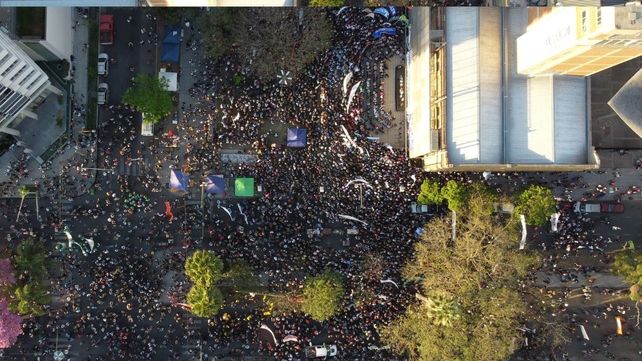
[(106, 29)]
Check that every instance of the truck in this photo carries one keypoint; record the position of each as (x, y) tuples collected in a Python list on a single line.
[(324, 351), (602, 207), (106, 29)]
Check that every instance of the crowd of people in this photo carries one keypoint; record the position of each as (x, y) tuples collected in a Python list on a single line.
[(125, 299)]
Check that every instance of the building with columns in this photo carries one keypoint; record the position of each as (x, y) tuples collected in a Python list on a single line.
[(23, 85)]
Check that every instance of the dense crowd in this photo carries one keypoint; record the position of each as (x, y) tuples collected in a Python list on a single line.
[(126, 298)]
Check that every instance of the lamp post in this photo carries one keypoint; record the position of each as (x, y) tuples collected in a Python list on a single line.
[(24, 192)]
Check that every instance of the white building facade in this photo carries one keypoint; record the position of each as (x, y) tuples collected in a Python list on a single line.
[(23, 85)]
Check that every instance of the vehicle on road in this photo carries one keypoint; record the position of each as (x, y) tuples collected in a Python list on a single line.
[(106, 29), (103, 93), (321, 351), (602, 207), (146, 127), (103, 64)]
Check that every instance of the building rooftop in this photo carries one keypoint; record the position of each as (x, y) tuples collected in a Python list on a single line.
[(626, 103), (521, 120)]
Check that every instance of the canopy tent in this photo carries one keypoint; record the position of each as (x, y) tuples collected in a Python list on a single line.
[(215, 184), (244, 187), (178, 181), (297, 137), (171, 79), (171, 44)]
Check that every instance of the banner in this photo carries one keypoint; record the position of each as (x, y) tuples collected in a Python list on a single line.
[(346, 80), (353, 91), (522, 243)]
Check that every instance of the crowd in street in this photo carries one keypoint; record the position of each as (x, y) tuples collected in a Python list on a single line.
[(125, 297)]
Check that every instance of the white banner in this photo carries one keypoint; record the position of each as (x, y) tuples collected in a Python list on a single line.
[(352, 93), (351, 218), (522, 243), (346, 80)]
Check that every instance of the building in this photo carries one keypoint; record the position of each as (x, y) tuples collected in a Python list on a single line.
[(579, 40), (484, 116), (220, 2), (67, 3), (45, 34), (626, 103), (23, 85)]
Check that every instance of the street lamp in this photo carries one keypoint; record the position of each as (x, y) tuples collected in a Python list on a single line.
[(24, 192)]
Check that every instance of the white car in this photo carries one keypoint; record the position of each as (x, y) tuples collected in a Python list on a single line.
[(321, 351), (103, 93), (103, 64)]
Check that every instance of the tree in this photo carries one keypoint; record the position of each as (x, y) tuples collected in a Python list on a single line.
[(536, 203), (322, 295), (205, 301), (7, 274), (30, 299), (149, 95), (241, 276), (30, 259), (328, 3), (430, 193), (441, 308), (456, 194), (473, 289), (204, 267), (267, 39), (628, 264), (10, 326)]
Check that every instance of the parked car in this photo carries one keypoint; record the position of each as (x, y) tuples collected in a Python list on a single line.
[(103, 93), (106, 29), (321, 351), (103, 64)]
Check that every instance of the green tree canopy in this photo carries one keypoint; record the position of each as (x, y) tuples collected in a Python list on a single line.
[(241, 276), (205, 301), (267, 39), (322, 295), (536, 203), (628, 264), (329, 3), (472, 283), (430, 192), (204, 267), (456, 194), (149, 95), (30, 299), (30, 259)]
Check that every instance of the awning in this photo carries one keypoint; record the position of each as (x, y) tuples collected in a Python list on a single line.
[(297, 137), (244, 187), (215, 184), (178, 181), (171, 44), (171, 79)]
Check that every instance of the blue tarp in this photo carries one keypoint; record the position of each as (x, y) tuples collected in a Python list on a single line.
[(384, 31), (178, 181), (297, 137), (171, 44), (215, 184)]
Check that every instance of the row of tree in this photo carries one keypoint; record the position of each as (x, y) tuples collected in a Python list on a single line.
[(321, 296), (471, 302), (535, 202), (22, 289)]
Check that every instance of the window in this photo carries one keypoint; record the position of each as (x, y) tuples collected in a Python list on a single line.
[(584, 22), (599, 15)]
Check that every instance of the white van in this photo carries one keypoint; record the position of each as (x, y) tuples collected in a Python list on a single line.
[(103, 93), (146, 128), (103, 64)]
